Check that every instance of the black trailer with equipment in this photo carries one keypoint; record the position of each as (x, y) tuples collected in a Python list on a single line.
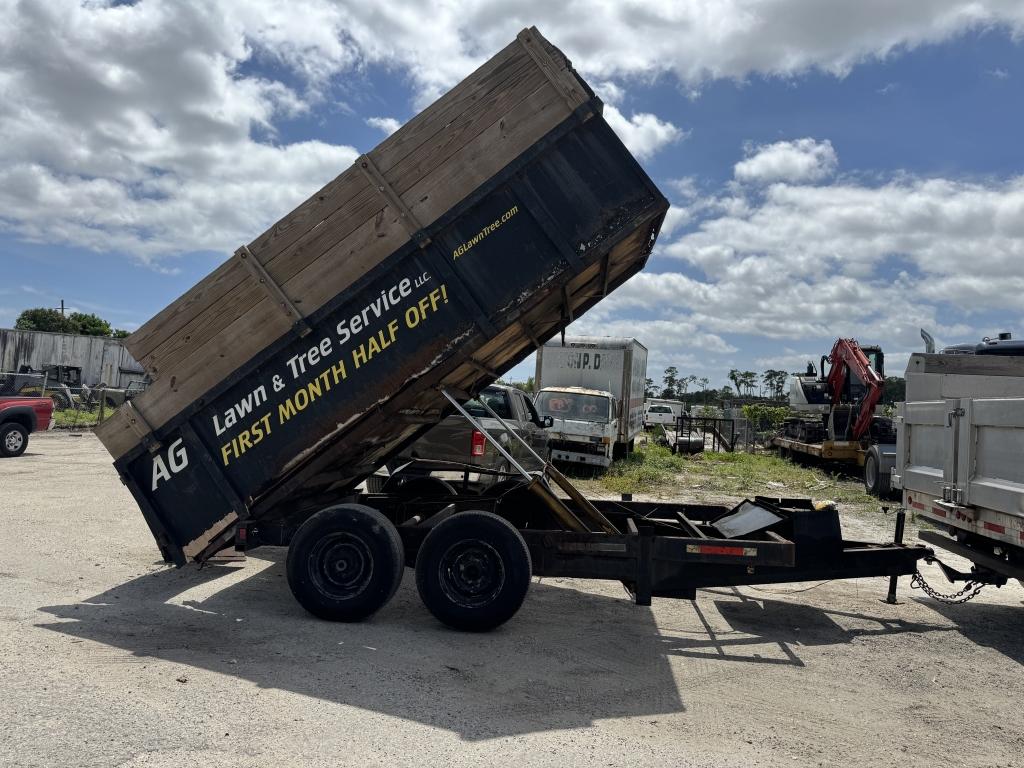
[(480, 229), (473, 555)]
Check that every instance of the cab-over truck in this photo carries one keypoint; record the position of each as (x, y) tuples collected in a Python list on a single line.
[(592, 387)]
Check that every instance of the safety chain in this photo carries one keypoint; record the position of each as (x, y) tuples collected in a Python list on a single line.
[(917, 582)]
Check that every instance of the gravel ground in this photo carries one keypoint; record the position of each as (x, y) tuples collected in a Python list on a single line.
[(108, 657)]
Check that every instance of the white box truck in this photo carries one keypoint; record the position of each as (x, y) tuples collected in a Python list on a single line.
[(959, 449), (593, 389)]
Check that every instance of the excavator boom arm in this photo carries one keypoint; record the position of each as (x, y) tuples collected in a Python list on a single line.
[(848, 356)]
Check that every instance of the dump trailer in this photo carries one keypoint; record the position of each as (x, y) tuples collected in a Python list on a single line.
[(441, 259)]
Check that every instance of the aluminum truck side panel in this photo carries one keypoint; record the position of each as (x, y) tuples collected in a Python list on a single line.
[(958, 458), (637, 373)]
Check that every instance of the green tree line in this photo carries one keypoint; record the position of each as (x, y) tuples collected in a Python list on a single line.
[(79, 323)]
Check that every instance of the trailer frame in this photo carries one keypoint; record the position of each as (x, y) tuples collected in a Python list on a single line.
[(654, 549)]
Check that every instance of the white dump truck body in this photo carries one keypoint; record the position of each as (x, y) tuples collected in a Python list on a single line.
[(580, 373), (960, 449)]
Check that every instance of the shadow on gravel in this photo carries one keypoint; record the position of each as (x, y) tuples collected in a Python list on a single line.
[(566, 660), (765, 631), (991, 625)]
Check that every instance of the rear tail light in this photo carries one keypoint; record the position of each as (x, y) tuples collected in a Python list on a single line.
[(477, 443)]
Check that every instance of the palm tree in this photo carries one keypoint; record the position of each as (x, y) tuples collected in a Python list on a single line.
[(749, 380), (704, 383), (734, 377)]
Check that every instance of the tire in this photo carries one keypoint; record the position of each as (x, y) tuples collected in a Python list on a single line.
[(473, 571), (876, 482), (345, 563), (13, 440)]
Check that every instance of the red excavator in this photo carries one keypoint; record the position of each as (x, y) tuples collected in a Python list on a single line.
[(836, 420)]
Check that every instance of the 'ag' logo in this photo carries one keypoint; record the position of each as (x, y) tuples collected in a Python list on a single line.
[(177, 460)]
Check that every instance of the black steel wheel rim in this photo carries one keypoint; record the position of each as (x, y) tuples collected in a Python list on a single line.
[(471, 573), (341, 565)]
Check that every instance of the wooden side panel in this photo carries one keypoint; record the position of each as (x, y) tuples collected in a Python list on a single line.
[(209, 320), (213, 289), (347, 228), (419, 147)]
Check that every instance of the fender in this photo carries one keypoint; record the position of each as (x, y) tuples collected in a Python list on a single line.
[(22, 414)]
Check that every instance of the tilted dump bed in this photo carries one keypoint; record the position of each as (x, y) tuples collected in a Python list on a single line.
[(440, 259)]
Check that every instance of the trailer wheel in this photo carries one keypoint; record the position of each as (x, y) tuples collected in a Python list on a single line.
[(345, 562), (876, 482), (473, 571), (13, 440)]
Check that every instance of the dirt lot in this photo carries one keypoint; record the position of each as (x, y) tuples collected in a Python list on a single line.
[(108, 657)]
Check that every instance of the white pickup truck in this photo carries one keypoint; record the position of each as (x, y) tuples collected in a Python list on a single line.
[(660, 413)]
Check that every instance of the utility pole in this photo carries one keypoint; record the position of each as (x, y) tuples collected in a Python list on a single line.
[(62, 307)]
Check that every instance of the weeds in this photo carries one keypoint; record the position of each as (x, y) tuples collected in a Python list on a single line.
[(79, 417), (653, 468)]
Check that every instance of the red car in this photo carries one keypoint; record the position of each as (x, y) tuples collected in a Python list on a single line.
[(18, 417)]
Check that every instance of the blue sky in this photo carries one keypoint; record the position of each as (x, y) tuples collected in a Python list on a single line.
[(831, 173)]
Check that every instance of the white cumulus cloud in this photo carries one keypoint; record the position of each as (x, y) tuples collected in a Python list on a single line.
[(129, 128), (146, 127), (800, 161), (386, 125), (642, 133)]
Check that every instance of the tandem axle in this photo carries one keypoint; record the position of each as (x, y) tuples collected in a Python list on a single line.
[(474, 555)]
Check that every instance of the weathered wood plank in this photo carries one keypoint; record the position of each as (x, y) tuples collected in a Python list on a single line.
[(450, 137), (489, 152), (162, 338), (554, 69), (222, 281), (208, 364), (208, 320), (452, 107), (460, 109)]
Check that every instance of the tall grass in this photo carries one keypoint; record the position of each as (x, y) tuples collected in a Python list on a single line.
[(653, 468)]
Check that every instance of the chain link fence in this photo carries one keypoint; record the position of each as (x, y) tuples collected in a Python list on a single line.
[(73, 406)]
